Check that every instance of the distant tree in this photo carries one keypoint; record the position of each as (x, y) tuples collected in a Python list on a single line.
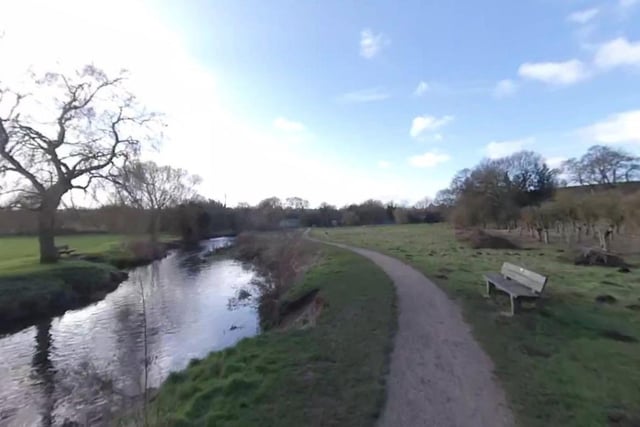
[(72, 130), (401, 215), (494, 191), (296, 203), (328, 213), (268, 213), (602, 165), (423, 203), (154, 188)]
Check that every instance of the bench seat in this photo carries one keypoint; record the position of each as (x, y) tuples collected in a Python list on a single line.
[(516, 281), (510, 286)]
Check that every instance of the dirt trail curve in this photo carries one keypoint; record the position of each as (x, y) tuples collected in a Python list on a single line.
[(439, 376)]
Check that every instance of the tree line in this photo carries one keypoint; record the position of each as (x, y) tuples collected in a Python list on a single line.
[(85, 132), (593, 195)]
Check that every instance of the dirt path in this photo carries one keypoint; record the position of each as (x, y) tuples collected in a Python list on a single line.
[(439, 375)]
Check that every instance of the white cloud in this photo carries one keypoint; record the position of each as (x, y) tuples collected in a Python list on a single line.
[(555, 73), (583, 16), (288, 125), (365, 95), (371, 44), (497, 149), (425, 123), (428, 159), (383, 164), (505, 88), (617, 53), (555, 162), (627, 3), (421, 89), (616, 129)]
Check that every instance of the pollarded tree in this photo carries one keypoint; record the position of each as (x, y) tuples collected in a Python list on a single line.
[(68, 132), (153, 188)]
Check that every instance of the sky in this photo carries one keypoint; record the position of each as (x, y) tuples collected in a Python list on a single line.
[(339, 101)]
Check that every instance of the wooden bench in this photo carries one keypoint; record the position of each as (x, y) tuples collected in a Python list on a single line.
[(518, 282), (64, 250)]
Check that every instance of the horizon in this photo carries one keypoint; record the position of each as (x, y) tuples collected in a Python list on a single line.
[(377, 102)]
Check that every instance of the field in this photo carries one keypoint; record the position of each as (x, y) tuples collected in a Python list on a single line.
[(574, 361), (331, 374), (20, 254)]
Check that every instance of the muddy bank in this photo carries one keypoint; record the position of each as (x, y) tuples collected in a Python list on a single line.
[(28, 299), (282, 259)]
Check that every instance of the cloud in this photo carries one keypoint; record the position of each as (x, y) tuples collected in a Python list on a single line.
[(583, 16), (497, 149), (288, 125), (617, 53), (505, 88), (428, 159), (421, 89), (555, 162), (371, 44), (425, 123), (365, 95), (628, 3), (616, 129), (555, 73), (383, 164)]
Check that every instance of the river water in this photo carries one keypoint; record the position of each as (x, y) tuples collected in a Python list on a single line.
[(89, 363)]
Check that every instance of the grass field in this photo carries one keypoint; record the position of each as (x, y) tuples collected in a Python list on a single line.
[(574, 362), (20, 254), (331, 374)]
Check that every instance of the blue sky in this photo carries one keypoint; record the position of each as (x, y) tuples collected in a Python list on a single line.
[(342, 101)]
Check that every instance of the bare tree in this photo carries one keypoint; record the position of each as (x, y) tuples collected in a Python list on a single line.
[(154, 188), (297, 203), (73, 130), (603, 165)]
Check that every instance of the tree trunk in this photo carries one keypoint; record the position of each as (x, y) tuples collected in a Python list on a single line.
[(46, 235)]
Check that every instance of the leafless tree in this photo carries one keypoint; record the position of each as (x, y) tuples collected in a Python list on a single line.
[(72, 130), (154, 188), (603, 165), (297, 203)]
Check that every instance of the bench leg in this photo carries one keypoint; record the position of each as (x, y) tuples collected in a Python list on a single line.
[(490, 287), (515, 305)]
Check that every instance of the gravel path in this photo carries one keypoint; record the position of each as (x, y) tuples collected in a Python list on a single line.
[(439, 376)]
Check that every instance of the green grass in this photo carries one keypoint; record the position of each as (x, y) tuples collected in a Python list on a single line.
[(20, 254), (557, 364), (331, 374)]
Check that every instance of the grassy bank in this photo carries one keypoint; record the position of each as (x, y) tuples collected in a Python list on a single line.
[(574, 362), (329, 374), (30, 291)]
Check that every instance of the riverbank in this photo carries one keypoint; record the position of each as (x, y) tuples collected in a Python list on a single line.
[(571, 362), (321, 364), (30, 292)]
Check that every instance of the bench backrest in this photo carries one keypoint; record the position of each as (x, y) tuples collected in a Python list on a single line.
[(532, 280)]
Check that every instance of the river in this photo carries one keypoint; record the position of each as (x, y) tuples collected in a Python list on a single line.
[(88, 364)]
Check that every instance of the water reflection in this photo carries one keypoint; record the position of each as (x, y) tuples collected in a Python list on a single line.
[(79, 366)]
